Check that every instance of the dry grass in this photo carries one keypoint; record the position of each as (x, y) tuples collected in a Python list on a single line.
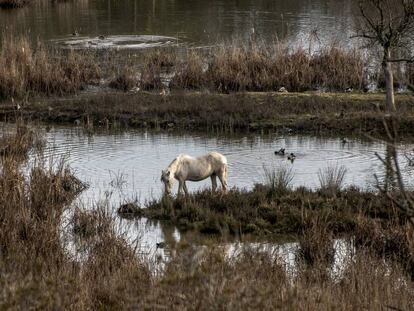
[(261, 211), (18, 144), (38, 272), (125, 80), (190, 74), (268, 67), (232, 67), (255, 280), (36, 269), (278, 179), (28, 70), (260, 112), (156, 63), (11, 4), (316, 242), (331, 179)]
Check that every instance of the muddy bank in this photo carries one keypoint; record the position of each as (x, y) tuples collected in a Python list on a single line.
[(265, 112)]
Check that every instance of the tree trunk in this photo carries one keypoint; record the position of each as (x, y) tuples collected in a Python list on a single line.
[(389, 81)]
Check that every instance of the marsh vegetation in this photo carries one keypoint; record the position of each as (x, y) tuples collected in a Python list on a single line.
[(37, 269), (58, 253)]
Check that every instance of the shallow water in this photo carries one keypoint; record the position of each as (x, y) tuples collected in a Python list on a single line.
[(121, 167), (126, 166), (193, 22)]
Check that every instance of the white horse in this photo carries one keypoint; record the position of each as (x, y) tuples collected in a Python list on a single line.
[(185, 167)]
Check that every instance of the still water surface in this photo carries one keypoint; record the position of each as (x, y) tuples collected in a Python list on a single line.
[(194, 22), (125, 166), (128, 165)]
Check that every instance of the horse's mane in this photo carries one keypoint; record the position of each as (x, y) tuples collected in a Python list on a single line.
[(174, 162)]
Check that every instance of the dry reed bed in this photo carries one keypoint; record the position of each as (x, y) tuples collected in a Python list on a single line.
[(30, 69), (269, 67), (11, 4), (38, 272)]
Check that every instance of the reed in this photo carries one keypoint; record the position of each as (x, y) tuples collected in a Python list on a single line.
[(278, 179), (11, 4), (28, 70), (38, 270), (331, 179)]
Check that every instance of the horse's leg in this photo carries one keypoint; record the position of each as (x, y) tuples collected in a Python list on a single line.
[(180, 187), (213, 182), (185, 188), (223, 178)]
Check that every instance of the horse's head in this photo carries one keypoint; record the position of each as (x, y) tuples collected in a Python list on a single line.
[(166, 178)]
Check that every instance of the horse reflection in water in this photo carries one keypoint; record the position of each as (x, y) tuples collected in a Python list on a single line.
[(185, 167)]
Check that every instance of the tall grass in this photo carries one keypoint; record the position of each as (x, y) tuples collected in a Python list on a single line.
[(125, 80), (238, 67), (10, 4), (28, 70), (331, 179), (38, 271), (34, 69), (278, 179)]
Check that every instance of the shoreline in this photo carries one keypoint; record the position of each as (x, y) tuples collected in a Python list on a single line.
[(243, 111)]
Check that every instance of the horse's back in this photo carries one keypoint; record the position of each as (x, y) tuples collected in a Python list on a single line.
[(217, 157)]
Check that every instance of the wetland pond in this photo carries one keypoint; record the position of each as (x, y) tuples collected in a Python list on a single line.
[(141, 23), (126, 166)]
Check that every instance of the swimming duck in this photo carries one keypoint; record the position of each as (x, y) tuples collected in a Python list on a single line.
[(160, 244), (75, 33), (281, 151), (291, 157), (101, 37)]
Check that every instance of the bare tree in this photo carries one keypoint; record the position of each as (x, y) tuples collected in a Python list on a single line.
[(390, 25), (404, 199)]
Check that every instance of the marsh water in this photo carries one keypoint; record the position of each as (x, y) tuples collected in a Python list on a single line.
[(126, 166), (146, 23)]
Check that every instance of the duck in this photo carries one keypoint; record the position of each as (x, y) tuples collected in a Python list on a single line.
[(281, 151), (343, 141), (75, 33), (160, 244), (101, 37), (291, 157), (349, 90)]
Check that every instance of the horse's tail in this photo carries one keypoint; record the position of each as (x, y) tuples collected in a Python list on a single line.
[(225, 174)]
